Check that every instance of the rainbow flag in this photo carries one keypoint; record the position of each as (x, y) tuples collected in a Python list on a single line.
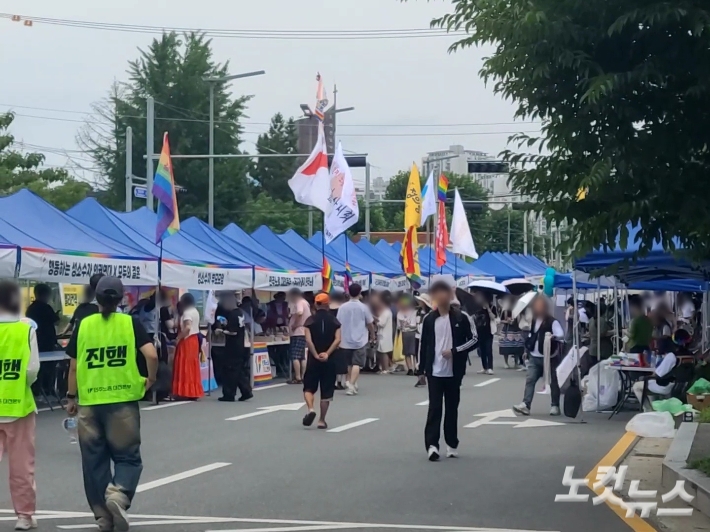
[(164, 190), (348, 277), (443, 187), (327, 274), (409, 257)]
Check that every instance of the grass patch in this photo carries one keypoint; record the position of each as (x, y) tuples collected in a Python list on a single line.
[(704, 416), (701, 464)]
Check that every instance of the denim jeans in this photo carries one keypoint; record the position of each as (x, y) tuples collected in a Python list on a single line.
[(110, 433), (485, 351), (536, 370)]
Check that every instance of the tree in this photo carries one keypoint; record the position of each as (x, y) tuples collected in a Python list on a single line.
[(24, 170), (172, 71), (622, 91), (272, 173), (278, 215), (496, 233), (377, 218)]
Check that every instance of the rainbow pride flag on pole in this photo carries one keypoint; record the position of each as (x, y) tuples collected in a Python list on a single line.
[(443, 187), (327, 274), (164, 190)]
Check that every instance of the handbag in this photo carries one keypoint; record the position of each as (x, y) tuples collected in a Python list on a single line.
[(398, 353)]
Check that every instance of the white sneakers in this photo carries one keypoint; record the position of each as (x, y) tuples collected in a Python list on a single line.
[(489, 372), (433, 453), (352, 389), (119, 514), (555, 411), (26, 523), (522, 408), (481, 372)]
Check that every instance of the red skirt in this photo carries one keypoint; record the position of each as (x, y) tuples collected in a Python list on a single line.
[(187, 380)]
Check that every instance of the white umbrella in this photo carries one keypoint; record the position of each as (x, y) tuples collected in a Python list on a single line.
[(518, 286), (489, 286), (523, 303)]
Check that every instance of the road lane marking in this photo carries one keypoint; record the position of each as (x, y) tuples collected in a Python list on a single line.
[(612, 459), (486, 383), (292, 407), (305, 528), (180, 476), (270, 386), (166, 405), (354, 424), (423, 403)]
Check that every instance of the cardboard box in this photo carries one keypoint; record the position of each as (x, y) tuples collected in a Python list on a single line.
[(699, 402)]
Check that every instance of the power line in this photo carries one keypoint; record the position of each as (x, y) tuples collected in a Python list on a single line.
[(365, 34)]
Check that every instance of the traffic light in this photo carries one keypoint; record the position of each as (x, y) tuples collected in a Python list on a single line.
[(354, 161), (488, 167)]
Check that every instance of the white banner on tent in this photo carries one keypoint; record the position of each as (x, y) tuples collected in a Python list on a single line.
[(60, 268), (204, 278), (393, 284), (8, 262), (282, 281), (462, 282), (361, 279)]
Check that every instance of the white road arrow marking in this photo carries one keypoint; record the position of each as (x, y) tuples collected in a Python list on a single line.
[(180, 476), (489, 418), (292, 407), (486, 383), (423, 403)]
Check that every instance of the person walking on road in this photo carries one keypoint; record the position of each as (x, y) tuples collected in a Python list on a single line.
[(357, 330), (485, 320), (323, 339), (19, 365), (236, 355), (300, 311), (104, 374), (447, 338), (543, 323), (385, 335)]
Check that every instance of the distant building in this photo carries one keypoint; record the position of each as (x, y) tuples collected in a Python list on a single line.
[(456, 160), (378, 188)]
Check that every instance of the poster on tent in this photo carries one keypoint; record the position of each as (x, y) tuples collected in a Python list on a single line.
[(261, 365), (282, 281), (361, 279), (70, 295), (72, 269), (205, 278), (8, 262), (463, 282), (393, 284)]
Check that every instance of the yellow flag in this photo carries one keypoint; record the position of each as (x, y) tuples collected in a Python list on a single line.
[(413, 201)]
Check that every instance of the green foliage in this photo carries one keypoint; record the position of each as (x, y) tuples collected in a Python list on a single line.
[(622, 91), (278, 215), (171, 70), (701, 464), (377, 218), (272, 173), (24, 170)]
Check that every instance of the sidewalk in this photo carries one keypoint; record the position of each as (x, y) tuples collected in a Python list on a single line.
[(645, 463)]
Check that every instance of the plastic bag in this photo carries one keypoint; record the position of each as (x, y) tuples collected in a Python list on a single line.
[(672, 405), (652, 425), (608, 387), (700, 387)]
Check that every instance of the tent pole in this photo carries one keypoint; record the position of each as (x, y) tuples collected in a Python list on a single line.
[(599, 338), (575, 335)]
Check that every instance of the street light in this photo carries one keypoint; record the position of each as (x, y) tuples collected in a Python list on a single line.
[(212, 81)]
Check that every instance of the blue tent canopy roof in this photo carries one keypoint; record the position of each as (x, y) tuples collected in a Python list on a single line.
[(302, 246), (359, 260), (271, 241), (500, 268)]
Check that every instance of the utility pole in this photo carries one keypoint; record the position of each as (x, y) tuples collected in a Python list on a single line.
[(525, 232), (149, 147), (367, 201), (129, 169), (210, 186), (310, 221), (510, 208)]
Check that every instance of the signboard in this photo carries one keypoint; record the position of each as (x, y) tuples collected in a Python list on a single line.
[(204, 278), (361, 279), (60, 268), (139, 191), (71, 295), (261, 365), (283, 281)]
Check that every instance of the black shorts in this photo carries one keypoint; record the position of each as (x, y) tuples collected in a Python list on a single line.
[(320, 374)]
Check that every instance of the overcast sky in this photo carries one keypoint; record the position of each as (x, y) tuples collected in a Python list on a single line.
[(400, 82)]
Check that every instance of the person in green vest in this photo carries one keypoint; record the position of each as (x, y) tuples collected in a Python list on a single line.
[(19, 365), (105, 386)]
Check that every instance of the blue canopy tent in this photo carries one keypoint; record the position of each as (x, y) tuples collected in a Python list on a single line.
[(55, 247), (501, 269), (308, 251), (270, 240), (376, 254), (358, 259), (186, 261)]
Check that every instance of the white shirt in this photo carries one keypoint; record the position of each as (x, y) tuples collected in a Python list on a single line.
[(407, 320), (443, 340), (193, 316), (557, 333), (687, 310), (385, 343), (663, 369), (354, 317), (33, 365), (583, 318)]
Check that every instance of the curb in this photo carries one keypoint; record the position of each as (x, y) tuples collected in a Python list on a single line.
[(674, 469)]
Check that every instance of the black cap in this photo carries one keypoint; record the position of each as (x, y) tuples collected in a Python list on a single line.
[(110, 287)]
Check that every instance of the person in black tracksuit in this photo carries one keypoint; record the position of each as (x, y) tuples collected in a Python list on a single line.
[(236, 356), (447, 338)]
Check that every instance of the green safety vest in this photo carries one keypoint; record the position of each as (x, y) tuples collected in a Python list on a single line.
[(16, 399), (106, 367)]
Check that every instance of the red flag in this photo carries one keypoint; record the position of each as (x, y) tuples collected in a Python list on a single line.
[(442, 236)]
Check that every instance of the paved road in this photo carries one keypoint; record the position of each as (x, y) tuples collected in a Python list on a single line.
[(266, 472)]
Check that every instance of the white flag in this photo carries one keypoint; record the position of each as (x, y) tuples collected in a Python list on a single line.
[(311, 182), (429, 198), (460, 237), (345, 211)]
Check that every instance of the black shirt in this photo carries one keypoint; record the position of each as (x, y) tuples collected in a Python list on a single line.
[(82, 311), (234, 343), (322, 326), (46, 319)]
